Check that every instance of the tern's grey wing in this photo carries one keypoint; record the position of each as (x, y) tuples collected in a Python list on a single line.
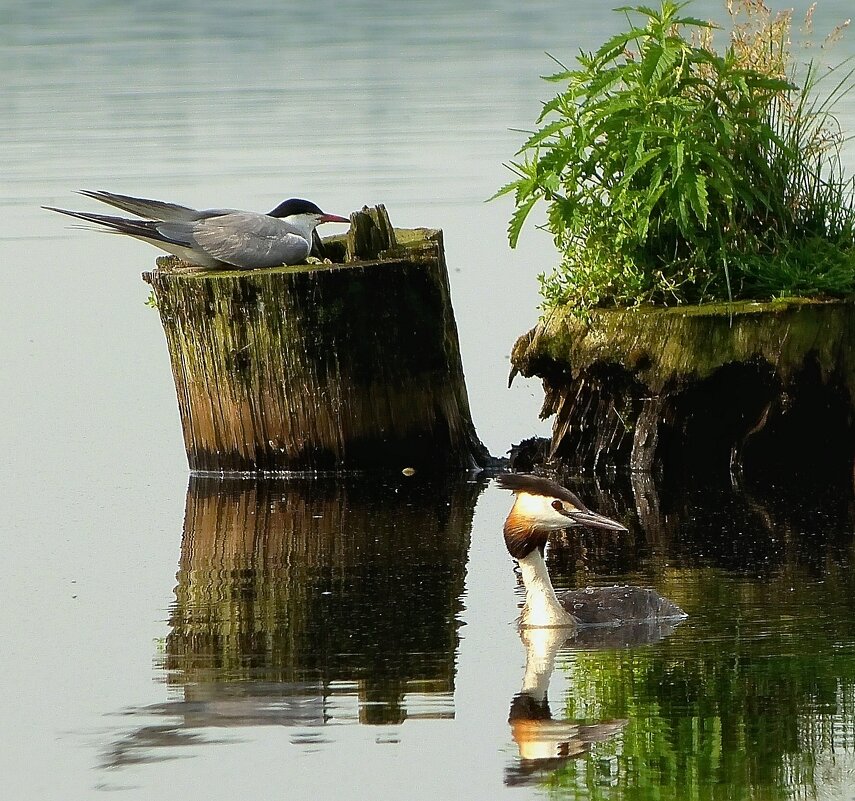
[(152, 209), (250, 241), (180, 233)]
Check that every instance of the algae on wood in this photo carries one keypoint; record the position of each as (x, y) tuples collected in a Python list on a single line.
[(770, 384), (330, 366)]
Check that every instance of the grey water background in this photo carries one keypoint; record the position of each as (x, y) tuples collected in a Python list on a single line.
[(166, 640)]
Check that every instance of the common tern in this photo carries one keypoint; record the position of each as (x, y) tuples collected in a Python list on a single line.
[(215, 238)]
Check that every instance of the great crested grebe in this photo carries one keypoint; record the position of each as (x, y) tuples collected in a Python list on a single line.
[(541, 506), (216, 238)]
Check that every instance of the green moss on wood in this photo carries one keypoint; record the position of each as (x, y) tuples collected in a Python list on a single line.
[(661, 345), (770, 385)]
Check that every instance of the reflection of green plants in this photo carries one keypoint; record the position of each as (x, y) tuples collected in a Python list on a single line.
[(673, 173), (736, 709)]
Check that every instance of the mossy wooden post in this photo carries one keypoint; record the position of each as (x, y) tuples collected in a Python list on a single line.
[(330, 366), (762, 386)]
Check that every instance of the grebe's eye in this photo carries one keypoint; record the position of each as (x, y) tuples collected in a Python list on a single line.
[(558, 506)]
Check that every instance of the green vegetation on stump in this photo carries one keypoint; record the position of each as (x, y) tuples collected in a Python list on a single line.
[(677, 174)]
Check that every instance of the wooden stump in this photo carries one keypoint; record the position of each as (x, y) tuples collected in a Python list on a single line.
[(767, 387), (330, 366)]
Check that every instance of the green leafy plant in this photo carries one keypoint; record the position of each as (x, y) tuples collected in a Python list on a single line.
[(674, 174)]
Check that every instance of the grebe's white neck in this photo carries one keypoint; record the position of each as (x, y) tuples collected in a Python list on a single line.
[(542, 607)]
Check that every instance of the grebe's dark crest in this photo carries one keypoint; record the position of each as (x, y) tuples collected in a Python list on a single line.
[(542, 506)]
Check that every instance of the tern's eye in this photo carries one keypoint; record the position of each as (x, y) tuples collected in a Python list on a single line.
[(558, 506)]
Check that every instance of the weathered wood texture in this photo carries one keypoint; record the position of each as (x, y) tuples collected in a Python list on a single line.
[(321, 366), (770, 386), (338, 579)]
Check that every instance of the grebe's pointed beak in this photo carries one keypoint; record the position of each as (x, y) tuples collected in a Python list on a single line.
[(593, 520), (334, 218)]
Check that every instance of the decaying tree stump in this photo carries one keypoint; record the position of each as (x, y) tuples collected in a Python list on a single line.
[(347, 365), (747, 385)]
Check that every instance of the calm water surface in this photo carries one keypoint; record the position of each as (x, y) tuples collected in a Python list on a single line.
[(331, 635), (349, 639)]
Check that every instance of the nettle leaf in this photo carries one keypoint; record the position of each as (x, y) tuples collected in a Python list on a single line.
[(656, 131), (682, 210), (740, 84), (556, 77), (723, 191), (716, 159), (650, 62), (659, 60), (550, 107), (544, 133), (679, 151), (699, 199), (605, 81), (518, 218), (555, 161), (563, 215), (655, 15), (617, 44), (657, 177), (505, 190), (653, 197), (695, 22), (585, 59), (525, 186), (666, 61), (638, 163), (772, 84), (551, 183)]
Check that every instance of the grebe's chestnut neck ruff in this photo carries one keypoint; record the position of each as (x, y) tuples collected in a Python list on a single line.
[(541, 506)]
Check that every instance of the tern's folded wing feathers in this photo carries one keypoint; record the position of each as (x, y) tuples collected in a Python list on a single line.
[(143, 207), (180, 233), (250, 241)]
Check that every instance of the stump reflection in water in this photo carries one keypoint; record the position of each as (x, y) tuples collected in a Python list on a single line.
[(752, 695), (340, 590)]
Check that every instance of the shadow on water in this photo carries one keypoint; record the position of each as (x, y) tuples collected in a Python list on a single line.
[(303, 602)]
